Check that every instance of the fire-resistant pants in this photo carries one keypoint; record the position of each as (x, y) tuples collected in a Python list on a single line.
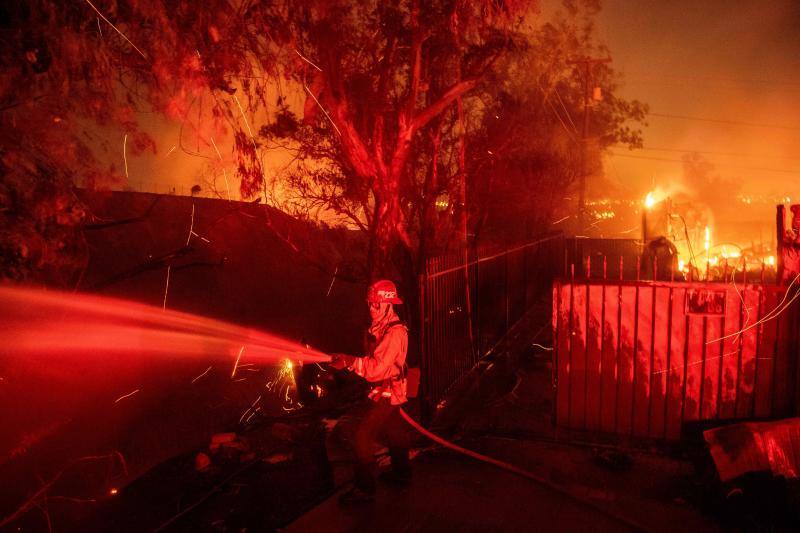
[(379, 422)]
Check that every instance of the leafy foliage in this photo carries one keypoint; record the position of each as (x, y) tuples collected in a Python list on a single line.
[(379, 77), (67, 70), (395, 125), (526, 140)]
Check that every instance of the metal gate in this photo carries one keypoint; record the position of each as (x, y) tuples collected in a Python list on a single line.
[(468, 303), (641, 358)]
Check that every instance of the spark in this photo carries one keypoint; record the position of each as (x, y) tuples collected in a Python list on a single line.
[(776, 311), (116, 29), (126, 396), (333, 278), (170, 151), (246, 123), (201, 375), (741, 298), (98, 26), (304, 58), (537, 345), (41, 496), (227, 187), (560, 220), (125, 154), (290, 409), (322, 108), (224, 174), (166, 288), (200, 237), (284, 376), (252, 405), (191, 227), (649, 201), (700, 362), (236, 363), (113, 491)]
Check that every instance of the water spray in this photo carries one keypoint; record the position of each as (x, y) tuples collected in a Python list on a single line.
[(35, 322)]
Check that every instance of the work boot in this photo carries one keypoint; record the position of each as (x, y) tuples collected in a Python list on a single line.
[(356, 496), (396, 477)]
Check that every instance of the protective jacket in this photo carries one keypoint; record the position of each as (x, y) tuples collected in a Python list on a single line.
[(385, 365)]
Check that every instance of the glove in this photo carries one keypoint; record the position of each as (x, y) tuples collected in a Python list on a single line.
[(340, 361)]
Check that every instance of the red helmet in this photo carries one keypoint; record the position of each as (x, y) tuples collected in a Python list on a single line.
[(383, 291)]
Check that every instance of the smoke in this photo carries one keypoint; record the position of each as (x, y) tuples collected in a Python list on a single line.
[(734, 65)]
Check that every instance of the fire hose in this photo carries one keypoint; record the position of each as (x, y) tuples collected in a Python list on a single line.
[(521, 472)]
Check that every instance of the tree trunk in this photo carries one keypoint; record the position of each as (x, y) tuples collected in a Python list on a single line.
[(383, 238)]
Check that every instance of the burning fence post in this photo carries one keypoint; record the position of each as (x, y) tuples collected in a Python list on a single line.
[(788, 253)]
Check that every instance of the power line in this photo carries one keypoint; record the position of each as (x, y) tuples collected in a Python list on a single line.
[(752, 81), (722, 121), (711, 152), (560, 101), (671, 160), (560, 120)]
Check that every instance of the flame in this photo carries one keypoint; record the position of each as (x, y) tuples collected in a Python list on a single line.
[(650, 200)]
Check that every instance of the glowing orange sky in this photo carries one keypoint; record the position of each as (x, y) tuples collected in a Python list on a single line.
[(716, 59)]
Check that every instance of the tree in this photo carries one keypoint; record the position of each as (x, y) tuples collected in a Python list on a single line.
[(525, 143), (378, 77), (391, 135), (68, 70)]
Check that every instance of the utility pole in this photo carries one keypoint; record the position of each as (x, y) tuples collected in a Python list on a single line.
[(587, 63)]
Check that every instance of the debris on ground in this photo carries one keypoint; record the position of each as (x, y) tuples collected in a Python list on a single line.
[(738, 449), (615, 460)]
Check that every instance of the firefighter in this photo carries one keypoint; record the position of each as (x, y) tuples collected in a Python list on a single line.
[(384, 367), (790, 248)]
